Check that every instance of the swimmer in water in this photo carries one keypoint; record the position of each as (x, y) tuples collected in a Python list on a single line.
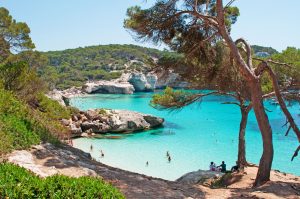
[(102, 154), (169, 159), (147, 163), (91, 148)]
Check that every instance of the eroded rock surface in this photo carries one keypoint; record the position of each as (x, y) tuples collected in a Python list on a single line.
[(142, 82), (105, 120), (199, 176), (112, 87)]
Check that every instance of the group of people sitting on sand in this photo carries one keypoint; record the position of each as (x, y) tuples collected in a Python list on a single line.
[(222, 167)]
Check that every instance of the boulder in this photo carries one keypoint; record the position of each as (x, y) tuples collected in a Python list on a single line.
[(92, 115), (199, 176), (153, 121), (124, 120), (75, 131), (65, 122), (112, 87), (95, 127)]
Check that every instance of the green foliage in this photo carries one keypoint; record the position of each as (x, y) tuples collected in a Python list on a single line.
[(268, 50), (52, 108), (172, 99), (22, 126), (14, 36), (74, 67), (102, 111), (16, 182), (285, 74), (15, 124), (11, 74), (181, 31), (221, 182)]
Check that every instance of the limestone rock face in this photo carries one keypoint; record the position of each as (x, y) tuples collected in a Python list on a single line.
[(112, 87), (105, 121), (171, 79), (199, 176), (63, 96), (57, 96), (152, 80), (142, 82)]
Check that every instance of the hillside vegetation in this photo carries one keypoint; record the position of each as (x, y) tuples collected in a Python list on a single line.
[(73, 67), (16, 182), (28, 117), (268, 50)]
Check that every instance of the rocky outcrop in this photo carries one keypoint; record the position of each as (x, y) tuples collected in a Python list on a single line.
[(126, 84), (199, 176), (142, 82), (103, 121), (63, 96), (112, 87), (171, 79)]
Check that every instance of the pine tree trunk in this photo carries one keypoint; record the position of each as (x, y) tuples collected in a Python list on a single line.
[(242, 162), (265, 164)]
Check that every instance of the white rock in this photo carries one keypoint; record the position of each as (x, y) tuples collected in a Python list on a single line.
[(198, 176), (108, 87)]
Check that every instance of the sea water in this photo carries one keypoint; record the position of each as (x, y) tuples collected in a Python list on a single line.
[(194, 136)]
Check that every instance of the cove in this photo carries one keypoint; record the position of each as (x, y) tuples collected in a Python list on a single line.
[(194, 136)]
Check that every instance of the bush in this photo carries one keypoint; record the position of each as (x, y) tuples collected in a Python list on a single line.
[(16, 182), (21, 126), (15, 124)]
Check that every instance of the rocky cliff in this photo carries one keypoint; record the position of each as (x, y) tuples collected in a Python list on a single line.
[(113, 87)]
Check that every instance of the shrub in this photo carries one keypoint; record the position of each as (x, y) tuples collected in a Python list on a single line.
[(16, 182), (21, 126)]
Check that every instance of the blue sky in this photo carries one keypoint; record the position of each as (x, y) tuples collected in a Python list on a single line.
[(62, 24)]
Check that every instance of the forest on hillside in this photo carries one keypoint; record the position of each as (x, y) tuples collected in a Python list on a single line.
[(73, 67)]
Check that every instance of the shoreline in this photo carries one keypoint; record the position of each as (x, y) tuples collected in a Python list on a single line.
[(48, 159), (191, 171)]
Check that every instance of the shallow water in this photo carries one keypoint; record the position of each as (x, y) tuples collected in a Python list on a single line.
[(195, 136)]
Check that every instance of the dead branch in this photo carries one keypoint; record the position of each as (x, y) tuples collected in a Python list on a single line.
[(248, 50), (296, 153), (234, 103), (281, 101), (287, 132)]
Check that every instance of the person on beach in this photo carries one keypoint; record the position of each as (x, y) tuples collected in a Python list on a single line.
[(222, 167), (102, 154), (235, 168), (212, 166), (168, 154), (91, 147)]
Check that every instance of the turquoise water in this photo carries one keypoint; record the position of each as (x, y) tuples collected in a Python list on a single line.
[(195, 136)]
